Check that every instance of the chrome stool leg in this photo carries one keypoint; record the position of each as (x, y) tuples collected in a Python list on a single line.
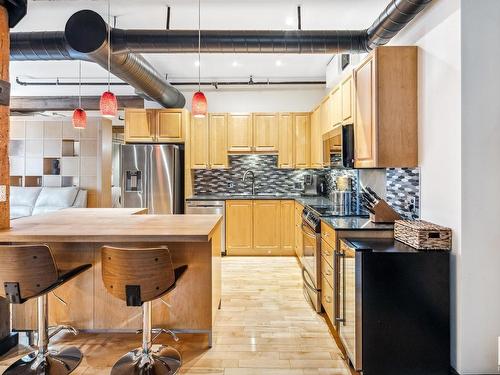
[(45, 361), (145, 361)]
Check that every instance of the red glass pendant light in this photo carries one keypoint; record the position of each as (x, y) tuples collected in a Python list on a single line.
[(199, 103), (79, 119), (108, 103)]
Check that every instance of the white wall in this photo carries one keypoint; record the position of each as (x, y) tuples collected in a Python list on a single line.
[(437, 33), (480, 203), (261, 99)]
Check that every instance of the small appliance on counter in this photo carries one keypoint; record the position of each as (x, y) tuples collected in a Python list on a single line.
[(341, 202), (380, 211), (314, 185)]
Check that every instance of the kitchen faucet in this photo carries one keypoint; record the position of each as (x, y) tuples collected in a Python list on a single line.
[(247, 172)]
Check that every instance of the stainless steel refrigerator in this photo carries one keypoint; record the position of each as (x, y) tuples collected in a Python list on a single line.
[(152, 177)]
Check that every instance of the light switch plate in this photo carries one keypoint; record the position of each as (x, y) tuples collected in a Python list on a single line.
[(3, 193)]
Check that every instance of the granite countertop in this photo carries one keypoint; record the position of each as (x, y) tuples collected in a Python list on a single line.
[(385, 245), (354, 223)]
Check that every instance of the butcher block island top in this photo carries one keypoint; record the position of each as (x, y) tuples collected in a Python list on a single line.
[(110, 225)]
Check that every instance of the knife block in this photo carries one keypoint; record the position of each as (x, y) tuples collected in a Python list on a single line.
[(384, 213)]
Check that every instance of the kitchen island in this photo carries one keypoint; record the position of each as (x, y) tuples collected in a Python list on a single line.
[(76, 236)]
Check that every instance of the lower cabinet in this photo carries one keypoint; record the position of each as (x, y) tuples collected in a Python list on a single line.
[(327, 299), (260, 227), (298, 230)]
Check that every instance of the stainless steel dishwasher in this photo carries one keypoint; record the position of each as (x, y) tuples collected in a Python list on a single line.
[(210, 208)]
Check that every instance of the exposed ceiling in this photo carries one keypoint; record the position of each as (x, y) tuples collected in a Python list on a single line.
[(215, 14)]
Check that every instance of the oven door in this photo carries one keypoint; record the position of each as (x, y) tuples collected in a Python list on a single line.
[(311, 265)]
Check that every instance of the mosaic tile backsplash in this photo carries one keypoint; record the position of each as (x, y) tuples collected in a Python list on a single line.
[(403, 191)]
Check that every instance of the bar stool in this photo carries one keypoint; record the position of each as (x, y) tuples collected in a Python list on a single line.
[(139, 276), (27, 272)]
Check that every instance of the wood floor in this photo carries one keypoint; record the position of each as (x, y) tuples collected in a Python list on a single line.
[(265, 326)]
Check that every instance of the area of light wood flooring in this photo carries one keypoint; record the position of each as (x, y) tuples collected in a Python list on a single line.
[(265, 326)]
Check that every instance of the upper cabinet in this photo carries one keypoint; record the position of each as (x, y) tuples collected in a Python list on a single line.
[(266, 132), (155, 125), (316, 139), (336, 107), (239, 132), (346, 88), (209, 141), (286, 157), (139, 125), (294, 140), (326, 119), (302, 128), (385, 117)]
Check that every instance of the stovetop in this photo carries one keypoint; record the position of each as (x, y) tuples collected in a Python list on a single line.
[(312, 215)]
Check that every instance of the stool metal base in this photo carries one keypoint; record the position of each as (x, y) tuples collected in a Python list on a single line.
[(50, 363), (166, 361)]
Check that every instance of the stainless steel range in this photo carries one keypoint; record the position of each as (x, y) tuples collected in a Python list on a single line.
[(311, 249)]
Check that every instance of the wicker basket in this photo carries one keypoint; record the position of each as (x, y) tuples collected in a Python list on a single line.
[(422, 234)]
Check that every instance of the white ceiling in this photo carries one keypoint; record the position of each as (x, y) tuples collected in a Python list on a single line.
[(215, 14)]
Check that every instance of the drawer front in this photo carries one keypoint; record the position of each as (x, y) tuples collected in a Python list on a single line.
[(328, 234), (327, 252), (327, 271), (327, 299)]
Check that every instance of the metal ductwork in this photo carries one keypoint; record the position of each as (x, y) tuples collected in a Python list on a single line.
[(85, 38)]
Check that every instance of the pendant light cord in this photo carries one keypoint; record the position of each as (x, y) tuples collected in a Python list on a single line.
[(79, 83), (109, 45), (199, 45)]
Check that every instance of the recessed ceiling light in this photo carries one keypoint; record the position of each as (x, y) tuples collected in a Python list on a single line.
[(235, 64), (197, 63), (289, 21), (278, 63)]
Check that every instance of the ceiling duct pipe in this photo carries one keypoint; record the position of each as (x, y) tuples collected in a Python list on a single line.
[(85, 38)]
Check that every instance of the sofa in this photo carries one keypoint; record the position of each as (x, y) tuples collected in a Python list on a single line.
[(29, 201)]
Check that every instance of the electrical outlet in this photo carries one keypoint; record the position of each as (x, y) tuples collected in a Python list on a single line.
[(3, 193)]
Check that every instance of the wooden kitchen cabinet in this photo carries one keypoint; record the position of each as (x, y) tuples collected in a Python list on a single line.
[(316, 139), (301, 124), (199, 143), (266, 227), (286, 157), (298, 231), (239, 227), (346, 87), (169, 125), (385, 116), (287, 222), (140, 125), (239, 132), (218, 140), (265, 132), (336, 107)]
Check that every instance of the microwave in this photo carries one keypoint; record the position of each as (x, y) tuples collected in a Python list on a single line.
[(338, 147)]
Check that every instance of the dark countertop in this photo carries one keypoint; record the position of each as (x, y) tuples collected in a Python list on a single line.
[(354, 223), (384, 245), (337, 223)]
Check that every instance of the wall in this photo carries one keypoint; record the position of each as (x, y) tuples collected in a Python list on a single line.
[(437, 32), (480, 282)]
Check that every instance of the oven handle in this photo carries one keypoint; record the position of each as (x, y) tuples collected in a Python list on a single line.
[(307, 232), (341, 256), (306, 282)]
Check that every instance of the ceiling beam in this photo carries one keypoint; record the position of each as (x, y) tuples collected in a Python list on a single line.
[(67, 103)]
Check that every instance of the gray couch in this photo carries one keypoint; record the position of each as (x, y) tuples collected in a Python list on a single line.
[(28, 201)]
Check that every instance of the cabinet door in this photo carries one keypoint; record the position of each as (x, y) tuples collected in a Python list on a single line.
[(326, 115), (199, 143), (364, 120), (265, 132), (287, 227), (336, 102), (286, 141), (239, 227), (316, 140), (218, 140), (298, 230), (239, 132), (266, 227), (139, 125), (301, 123), (347, 91), (169, 125)]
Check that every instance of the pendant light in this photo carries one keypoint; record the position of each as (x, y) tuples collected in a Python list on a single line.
[(108, 103), (79, 119), (199, 102)]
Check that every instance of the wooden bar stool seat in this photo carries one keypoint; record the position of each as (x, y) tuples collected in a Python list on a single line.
[(27, 272), (138, 277)]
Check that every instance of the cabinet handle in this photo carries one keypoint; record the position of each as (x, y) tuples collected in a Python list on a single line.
[(327, 253), (328, 272), (328, 299), (326, 234)]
